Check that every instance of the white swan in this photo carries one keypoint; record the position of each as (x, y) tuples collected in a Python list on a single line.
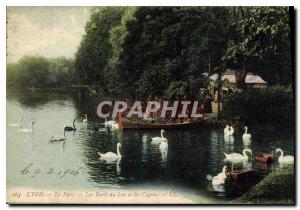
[(157, 140), (111, 156), (85, 119), (164, 145), (59, 137), (220, 178), (231, 131), (106, 124), (115, 126), (17, 124), (236, 157), (226, 130), (287, 159), (110, 123), (28, 130), (246, 137)]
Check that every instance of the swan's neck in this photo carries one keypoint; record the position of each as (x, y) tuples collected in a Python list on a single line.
[(161, 134), (281, 153), (118, 151), (74, 124), (246, 130), (245, 154), (63, 131), (224, 171)]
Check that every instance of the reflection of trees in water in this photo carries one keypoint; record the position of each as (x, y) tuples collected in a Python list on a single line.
[(187, 156), (100, 171), (37, 99), (86, 103)]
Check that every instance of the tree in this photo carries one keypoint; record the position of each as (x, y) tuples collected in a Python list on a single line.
[(258, 35), (170, 47), (93, 55), (61, 72), (33, 71), (36, 71)]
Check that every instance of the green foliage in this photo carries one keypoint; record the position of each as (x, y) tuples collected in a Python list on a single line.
[(277, 188), (166, 49), (260, 40), (30, 71), (61, 72), (94, 53), (39, 72), (272, 106), (156, 51)]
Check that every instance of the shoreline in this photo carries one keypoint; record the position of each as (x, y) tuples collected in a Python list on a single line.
[(278, 187)]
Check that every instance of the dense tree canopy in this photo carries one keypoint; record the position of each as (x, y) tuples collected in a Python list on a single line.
[(260, 41), (94, 53), (163, 51)]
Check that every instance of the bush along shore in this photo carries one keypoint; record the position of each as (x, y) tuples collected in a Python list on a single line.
[(277, 188)]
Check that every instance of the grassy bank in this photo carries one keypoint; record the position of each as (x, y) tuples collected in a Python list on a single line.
[(277, 188)]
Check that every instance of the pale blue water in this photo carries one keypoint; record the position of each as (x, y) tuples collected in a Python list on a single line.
[(74, 164)]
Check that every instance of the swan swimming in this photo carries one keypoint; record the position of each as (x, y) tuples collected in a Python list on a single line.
[(69, 128), (59, 137), (226, 130), (220, 178), (246, 137), (115, 126), (287, 159), (17, 124), (109, 123), (27, 130), (231, 131), (228, 134), (111, 156), (236, 157), (164, 145), (85, 119), (157, 140)]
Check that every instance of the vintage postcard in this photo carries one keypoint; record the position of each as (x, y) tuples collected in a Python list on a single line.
[(150, 105)]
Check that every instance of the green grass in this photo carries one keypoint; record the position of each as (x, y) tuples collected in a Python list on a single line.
[(277, 188)]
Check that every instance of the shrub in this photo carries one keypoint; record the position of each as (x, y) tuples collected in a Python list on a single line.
[(271, 106)]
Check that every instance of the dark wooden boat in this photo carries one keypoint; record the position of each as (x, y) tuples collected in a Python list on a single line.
[(240, 174), (265, 158), (125, 123)]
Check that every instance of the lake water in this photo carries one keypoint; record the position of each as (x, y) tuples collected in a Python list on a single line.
[(32, 161)]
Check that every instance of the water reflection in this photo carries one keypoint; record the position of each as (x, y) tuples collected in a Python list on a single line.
[(192, 154)]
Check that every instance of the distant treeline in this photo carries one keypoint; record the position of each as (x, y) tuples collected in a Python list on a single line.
[(39, 72)]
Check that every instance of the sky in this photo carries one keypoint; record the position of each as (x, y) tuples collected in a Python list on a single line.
[(46, 31)]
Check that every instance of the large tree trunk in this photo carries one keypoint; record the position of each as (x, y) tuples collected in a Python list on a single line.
[(240, 75)]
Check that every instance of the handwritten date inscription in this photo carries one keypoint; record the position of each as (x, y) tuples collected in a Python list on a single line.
[(31, 171)]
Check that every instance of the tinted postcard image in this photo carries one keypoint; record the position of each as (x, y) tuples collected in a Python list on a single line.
[(150, 105)]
